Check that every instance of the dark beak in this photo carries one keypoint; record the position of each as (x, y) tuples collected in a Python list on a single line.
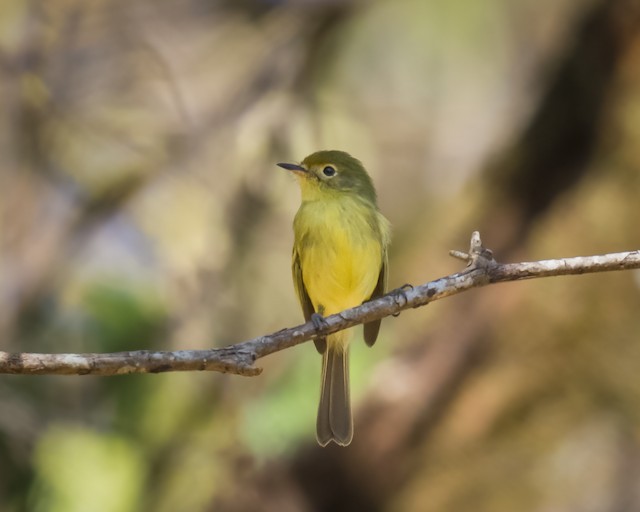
[(292, 167)]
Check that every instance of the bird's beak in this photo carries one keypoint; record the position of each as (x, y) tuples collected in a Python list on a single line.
[(293, 167)]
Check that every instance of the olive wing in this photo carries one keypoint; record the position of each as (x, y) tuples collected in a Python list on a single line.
[(371, 329), (304, 299)]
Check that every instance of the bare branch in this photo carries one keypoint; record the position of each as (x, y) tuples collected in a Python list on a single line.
[(482, 270)]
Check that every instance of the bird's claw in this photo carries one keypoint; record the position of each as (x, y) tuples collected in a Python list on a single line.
[(318, 321), (398, 294)]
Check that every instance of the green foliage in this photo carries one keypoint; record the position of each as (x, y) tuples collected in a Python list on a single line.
[(120, 316), (79, 469)]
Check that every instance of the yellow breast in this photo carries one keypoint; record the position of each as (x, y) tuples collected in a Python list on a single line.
[(340, 246)]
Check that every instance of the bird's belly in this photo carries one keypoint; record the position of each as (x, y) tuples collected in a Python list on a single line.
[(340, 272)]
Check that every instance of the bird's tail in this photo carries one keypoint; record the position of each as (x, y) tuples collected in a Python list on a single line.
[(334, 412)]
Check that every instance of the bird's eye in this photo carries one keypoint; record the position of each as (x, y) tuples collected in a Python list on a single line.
[(329, 171)]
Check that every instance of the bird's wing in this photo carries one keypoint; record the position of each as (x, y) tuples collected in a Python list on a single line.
[(371, 329), (303, 297)]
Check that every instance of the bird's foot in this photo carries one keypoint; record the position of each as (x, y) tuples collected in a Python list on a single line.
[(399, 295), (318, 321)]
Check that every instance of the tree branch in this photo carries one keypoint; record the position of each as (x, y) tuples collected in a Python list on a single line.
[(481, 270)]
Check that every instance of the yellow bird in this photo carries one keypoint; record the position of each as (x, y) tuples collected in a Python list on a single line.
[(339, 262)]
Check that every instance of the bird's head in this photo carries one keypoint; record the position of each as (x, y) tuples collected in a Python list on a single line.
[(328, 173)]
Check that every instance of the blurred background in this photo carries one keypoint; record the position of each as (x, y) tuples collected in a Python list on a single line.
[(141, 208)]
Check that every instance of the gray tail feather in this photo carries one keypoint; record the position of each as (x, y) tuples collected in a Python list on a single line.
[(334, 412)]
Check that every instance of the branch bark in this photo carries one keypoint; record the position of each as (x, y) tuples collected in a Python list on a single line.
[(239, 359)]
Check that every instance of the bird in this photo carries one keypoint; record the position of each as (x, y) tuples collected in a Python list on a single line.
[(339, 261)]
